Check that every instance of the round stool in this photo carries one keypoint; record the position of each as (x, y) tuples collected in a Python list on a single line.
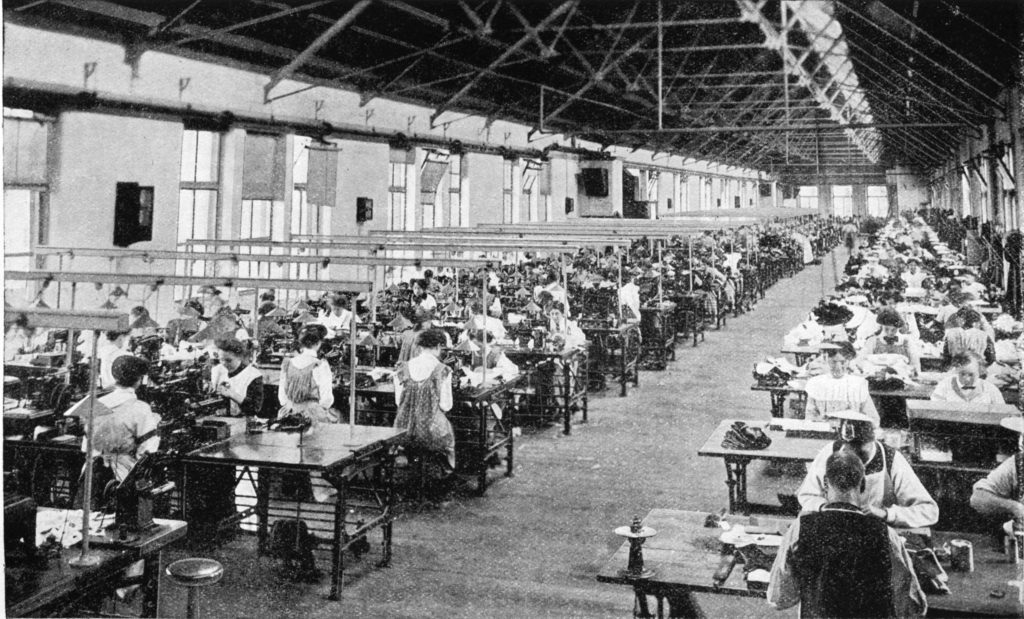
[(194, 573)]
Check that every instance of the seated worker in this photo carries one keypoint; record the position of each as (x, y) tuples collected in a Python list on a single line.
[(872, 268), (965, 383), (892, 491), (971, 287), (839, 390), (423, 320), (129, 430), (492, 324), (890, 341), (307, 385), (840, 561), (629, 296), (999, 494), (116, 347), (235, 380), (337, 317), (140, 323), (498, 365), (559, 324), (968, 337), (423, 392), (553, 288), (914, 276)]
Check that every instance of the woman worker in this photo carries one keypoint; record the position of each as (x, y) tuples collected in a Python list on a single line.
[(838, 390), (235, 380), (423, 391), (306, 386)]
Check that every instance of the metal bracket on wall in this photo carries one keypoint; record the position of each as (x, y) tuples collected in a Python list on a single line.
[(88, 69)]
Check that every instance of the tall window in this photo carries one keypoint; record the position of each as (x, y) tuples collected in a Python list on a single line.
[(399, 180), (878, 201), (26, 184), (307, 218), (198, 191), (455, 215), (808, 197), (842, 200), (507, 183)]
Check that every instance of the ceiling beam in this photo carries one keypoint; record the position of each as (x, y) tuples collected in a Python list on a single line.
[(552, 16), (289, 69)]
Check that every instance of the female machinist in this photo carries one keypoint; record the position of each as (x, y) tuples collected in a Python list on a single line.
[(423, 391), (237, 381), (211, 491), (306, 386)]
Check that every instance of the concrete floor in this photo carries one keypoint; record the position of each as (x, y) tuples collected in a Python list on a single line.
[(532, 546)]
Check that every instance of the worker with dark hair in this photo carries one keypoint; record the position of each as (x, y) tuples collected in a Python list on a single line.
[(967, 337), (236, 380), (838, 390), (306, 386), (423, 391), (129, 429), (890, 341), (116, 346), (965, 384), (840, 561)]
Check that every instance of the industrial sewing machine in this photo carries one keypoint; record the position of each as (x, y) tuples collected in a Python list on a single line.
[(132, 499)]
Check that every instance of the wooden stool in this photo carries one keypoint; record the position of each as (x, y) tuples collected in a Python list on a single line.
[(194, 573)]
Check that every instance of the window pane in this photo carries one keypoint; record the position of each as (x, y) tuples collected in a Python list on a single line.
[(300, 159), (17, 220), (207, 156), (205, 207), (186, 215), (188, 155)]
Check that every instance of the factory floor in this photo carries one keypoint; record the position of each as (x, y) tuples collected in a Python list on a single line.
[(532, 546)]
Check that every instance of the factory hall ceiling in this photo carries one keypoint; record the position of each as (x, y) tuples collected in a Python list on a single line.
[(795, 87)]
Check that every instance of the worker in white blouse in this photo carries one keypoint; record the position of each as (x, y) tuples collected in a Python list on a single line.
[(914, 276), (306, 386), (629, 297), (838, 390), (337, 318), (498, 365), (127, 428), (965, 384), (892, 491), (116, 346), (999, 494)]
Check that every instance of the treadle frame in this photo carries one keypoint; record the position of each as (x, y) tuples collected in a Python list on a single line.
[(615, 353), (359, 467), (546, 397)]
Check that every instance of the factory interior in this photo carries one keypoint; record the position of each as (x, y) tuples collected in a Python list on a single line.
[(459, 308)]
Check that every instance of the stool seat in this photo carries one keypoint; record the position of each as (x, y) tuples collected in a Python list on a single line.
[(195, 572)]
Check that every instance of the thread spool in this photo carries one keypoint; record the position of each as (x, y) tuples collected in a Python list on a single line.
[(961, 555)]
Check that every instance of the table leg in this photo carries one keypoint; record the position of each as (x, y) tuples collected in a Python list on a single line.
[(388, 472), (736, 480), (481, 463), (151, 585), (262, 509), (622, 366), (778, 404), (567, 395), (338, 545), (509, 451)]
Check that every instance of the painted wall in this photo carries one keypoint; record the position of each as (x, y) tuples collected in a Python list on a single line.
[(911, 190), (486, 205)]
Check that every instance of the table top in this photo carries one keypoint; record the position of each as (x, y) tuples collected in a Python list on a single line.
[(960, 412), (327, 445), (783, 448), (685, 554), (909, 392), (30, 589)]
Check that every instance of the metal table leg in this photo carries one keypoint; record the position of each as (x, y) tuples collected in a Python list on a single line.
[(338, 544)]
